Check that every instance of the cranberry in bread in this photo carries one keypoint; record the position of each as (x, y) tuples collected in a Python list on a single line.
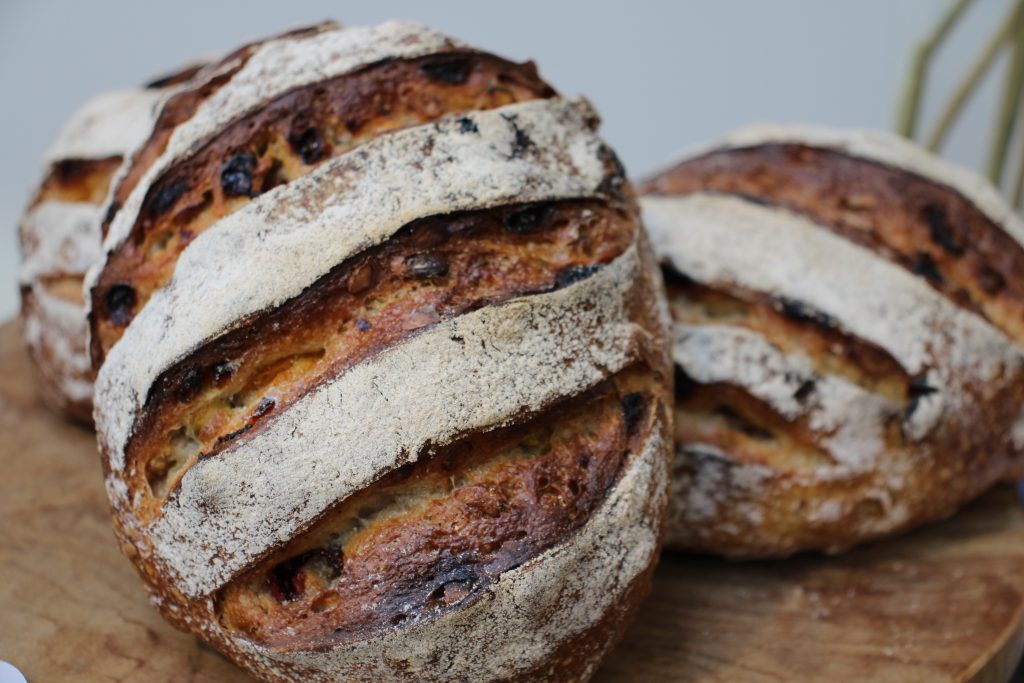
[(60, 239), (383, 371), (848, 343)]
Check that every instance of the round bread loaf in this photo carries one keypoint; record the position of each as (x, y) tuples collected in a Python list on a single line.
[(385, 375), (849, 326), (60, 240), (60, 236)]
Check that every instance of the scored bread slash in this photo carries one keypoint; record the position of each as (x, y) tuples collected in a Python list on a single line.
[(383, 372), (849, 340), (60, 236)]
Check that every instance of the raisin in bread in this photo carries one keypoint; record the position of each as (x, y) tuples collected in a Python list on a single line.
[(60, 237), (849, 325), (383, 367)]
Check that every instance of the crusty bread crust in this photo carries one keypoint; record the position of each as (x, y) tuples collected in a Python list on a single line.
[(491, 257), (60, 241), (794, 261)]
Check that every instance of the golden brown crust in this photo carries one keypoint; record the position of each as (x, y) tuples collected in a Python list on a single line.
[(52, 368), (759, 477), (432, 270), (432, 536), (183, 104), (405, 520), (52, 301), (792, 327), (928, 228), (78, 180), (284, 140)]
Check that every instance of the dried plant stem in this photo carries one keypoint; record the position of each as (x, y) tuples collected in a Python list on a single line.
[(974, 77), (1009, 105), (1018, 185), (907, 123)]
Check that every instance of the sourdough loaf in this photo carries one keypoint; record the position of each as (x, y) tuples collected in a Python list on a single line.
[(60, 239), (61, 231), (383, 368), (849, 325)]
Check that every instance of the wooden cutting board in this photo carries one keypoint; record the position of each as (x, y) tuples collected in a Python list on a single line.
[(943, 604)]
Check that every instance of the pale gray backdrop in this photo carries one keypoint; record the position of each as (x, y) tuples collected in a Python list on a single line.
[(664, 75)]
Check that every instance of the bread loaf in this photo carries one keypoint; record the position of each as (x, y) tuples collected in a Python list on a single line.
[(383, 371), (60, 236), (849, 325)]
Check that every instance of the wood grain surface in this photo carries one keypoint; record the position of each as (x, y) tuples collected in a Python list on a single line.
[(943, 604)]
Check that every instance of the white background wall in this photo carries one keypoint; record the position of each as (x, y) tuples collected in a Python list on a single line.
[(664, 75)]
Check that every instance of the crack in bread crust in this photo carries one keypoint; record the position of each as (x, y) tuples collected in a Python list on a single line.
[(301, 231), (481, 370), (432, 270), (929, 229), (283, 140), (470, 512), (793, 329), (201, 84), (750, 430)]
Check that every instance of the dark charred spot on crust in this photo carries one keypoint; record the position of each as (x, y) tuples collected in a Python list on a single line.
[(530, 218), (287, 580), (468, 125), (615, 173), (450, 580), (165, 195), (332, 558), (309, 145), (684, 384), (634, 406), (222, 372), (112, 210), (742, 424), (425, 266), (924, 265), (917, 389), (68, 171), (454, 578), (265, 406), (574, 274), (521, 142), (675, 277), (189, 386), (174, 78), (990, 281), (236, 176), (940, 228), (752, 199), (804, 391), (451, 70), (802, 312), (221, 440), (120, 301), (919, 386)]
